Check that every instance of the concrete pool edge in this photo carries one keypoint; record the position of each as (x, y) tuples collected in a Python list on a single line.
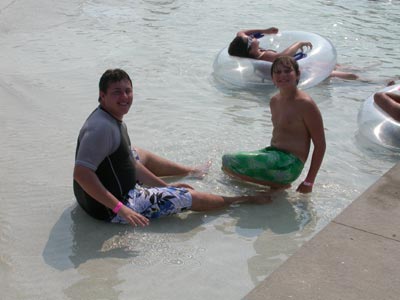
[(356, 256)]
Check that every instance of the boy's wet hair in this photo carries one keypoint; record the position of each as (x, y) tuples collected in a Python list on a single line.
[(286, 61), (110, 76), (238, 47)]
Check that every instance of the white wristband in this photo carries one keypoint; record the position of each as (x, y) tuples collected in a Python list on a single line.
[(306, 183)]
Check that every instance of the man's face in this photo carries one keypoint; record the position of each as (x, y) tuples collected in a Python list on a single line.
[(118, 98)]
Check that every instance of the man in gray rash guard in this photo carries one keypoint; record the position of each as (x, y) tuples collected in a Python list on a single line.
[(106, 172)]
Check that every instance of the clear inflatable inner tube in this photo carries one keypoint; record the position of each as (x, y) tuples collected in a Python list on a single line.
[(376, 125), (316, 66)]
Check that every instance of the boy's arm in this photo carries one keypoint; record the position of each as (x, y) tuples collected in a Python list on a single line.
[(315, 127), (89, 181)]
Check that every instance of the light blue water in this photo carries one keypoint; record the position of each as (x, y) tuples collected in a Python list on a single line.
[(52, 56)]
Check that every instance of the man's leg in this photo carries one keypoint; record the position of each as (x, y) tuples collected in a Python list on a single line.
[(163, 201), (207, 202), (163, 167)]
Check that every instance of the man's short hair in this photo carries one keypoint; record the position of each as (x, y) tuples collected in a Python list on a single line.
[(110, 76)]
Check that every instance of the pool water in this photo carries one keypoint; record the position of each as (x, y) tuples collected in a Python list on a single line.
[(53, 54)]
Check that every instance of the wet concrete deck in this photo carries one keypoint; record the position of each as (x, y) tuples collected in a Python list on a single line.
[(356, 256)]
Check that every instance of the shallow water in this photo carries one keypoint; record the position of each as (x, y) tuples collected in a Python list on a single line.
[(52, 57)]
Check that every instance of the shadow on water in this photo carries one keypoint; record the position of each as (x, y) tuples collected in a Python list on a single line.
[(77, 238), (288, 212), (279, 229), (281, 217)]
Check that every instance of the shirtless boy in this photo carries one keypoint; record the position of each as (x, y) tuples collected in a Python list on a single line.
[(296, 122)]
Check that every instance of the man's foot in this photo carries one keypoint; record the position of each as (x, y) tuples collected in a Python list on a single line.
[(200, 171)]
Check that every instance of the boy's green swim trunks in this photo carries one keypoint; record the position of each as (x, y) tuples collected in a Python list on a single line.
[(268, 164)]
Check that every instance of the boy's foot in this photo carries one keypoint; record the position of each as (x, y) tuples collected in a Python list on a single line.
[(261, 198)]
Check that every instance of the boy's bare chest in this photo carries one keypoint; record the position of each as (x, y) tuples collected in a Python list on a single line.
[(286, 116)]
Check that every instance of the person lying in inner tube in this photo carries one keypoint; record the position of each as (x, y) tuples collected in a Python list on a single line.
[(246, 45)]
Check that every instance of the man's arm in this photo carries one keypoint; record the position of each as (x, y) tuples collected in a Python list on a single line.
[(89, 181)]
